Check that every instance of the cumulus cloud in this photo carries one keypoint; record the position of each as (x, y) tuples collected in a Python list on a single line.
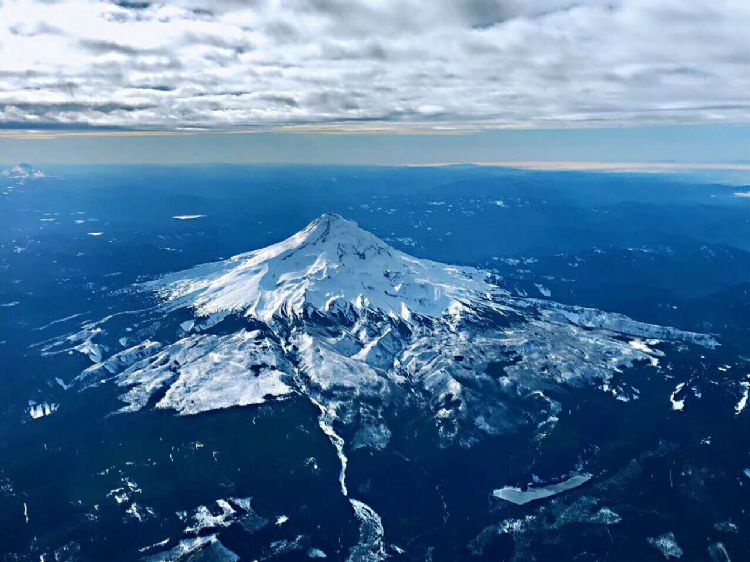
[(227, 64)]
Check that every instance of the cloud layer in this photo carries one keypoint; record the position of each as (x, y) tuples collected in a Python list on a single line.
[(371, 64)]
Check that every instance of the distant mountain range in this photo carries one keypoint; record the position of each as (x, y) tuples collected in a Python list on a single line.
[(23, 171)]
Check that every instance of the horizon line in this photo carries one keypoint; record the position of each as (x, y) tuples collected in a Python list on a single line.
[(374, 128), (531, 165)]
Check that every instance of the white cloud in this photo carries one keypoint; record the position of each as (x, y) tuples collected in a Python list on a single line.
[(479, 63)]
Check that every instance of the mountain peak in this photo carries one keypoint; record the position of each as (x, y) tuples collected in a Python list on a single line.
[(333, 228), (328, 219), (331, 263)]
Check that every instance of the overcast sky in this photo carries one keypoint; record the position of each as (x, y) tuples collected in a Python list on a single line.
[(403, 66)]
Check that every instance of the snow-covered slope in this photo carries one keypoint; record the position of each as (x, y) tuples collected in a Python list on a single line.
[(332, 264)]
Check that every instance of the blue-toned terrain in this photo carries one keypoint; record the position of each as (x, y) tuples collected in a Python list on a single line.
[(573, 385)]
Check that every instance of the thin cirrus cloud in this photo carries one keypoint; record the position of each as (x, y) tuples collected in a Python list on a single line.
[(379, 64)]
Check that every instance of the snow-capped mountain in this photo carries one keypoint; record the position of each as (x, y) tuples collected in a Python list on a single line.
[(368, 334), (23, 171), (338, 315)]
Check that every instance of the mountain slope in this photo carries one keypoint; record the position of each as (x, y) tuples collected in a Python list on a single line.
[(369, 335)]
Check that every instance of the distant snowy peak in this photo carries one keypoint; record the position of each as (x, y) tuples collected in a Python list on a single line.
[(23, 171), (330, 265)]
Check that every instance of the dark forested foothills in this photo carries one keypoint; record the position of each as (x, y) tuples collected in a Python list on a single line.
[(456, 363)]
